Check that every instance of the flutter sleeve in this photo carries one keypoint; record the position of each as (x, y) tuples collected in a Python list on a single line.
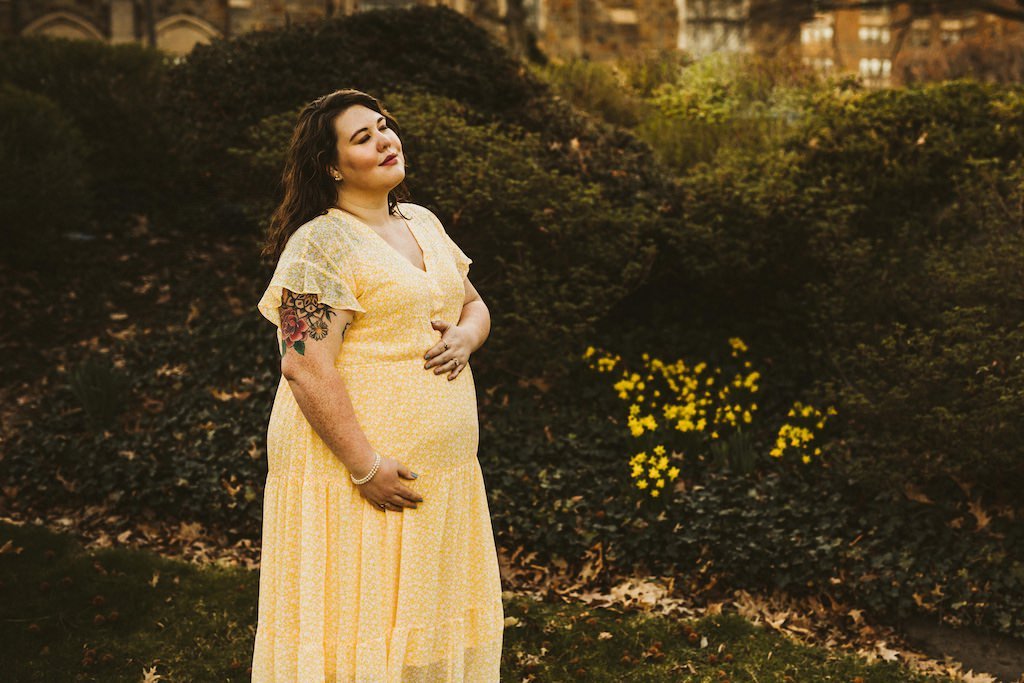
[(306, 267), (461, 260)]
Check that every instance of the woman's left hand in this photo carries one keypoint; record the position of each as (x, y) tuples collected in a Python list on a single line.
[(441, 358)]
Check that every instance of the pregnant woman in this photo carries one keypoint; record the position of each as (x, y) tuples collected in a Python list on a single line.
[(378, 559)]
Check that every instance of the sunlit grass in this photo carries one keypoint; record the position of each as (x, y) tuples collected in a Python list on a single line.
[(112, 614)]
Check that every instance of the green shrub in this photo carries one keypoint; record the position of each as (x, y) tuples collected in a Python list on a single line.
[(556, 209), (224, 88), (926, 402), (180, 448), (727, 101), (921, 308), (554, 252), (597, 88), (47, 184), (884, 234), (859, 261), (557, 488), (517, 219), (554, 466), (646, 71), (110, 93)]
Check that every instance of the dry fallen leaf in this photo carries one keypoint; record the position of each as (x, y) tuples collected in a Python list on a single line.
[(151, 676), (885, 653), (190, 532), (980, 515), (913, 493), (229, 395)]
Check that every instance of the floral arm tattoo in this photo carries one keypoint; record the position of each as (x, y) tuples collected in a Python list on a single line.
[(302, 316)]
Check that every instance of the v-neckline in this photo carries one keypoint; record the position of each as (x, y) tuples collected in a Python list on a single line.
[(423, 252)]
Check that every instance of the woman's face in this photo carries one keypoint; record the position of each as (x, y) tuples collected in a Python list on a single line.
[(364, 141)]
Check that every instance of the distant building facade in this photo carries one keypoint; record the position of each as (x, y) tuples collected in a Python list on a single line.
[(175, 26), (888, 46), (746, 26), (597, 29), (603, 30)]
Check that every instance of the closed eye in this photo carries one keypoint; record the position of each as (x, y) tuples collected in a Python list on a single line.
[(368, 137)]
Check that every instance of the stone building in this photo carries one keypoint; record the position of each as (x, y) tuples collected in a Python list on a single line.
[(174, 25), (177, 26), (598, 29)]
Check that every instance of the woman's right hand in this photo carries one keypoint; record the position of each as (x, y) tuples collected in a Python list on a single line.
[(387, 487)]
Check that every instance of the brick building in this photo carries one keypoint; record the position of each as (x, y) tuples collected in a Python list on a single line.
[(889, 47)]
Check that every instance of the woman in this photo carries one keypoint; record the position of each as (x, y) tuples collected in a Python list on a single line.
[(378, 559)]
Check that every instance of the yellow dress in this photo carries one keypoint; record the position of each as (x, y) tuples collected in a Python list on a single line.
[(347, 591)]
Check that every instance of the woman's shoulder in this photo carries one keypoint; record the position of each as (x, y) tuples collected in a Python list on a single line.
[(411, 208), (322, 233), (421, 212), (321, 223), (333, 226)]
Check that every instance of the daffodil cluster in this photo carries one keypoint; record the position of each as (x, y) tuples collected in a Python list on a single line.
[(696, 404), (651, 472), (688, 406), (796, 438), (669, 402), (604, 364)]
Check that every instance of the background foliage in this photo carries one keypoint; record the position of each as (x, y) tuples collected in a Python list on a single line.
[(108, 92), (867, 246), (43, 152)]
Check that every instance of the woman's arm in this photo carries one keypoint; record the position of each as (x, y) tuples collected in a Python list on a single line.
[(476, 317), (313, 334), (460, 340)]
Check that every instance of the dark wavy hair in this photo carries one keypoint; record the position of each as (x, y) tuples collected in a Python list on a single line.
[(309, 188)]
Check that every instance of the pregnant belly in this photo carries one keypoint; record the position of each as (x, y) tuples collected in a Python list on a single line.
[(424, 420)]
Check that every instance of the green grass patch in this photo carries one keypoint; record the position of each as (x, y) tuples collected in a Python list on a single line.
[(110, 614), (105, 615), (554, 642)]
